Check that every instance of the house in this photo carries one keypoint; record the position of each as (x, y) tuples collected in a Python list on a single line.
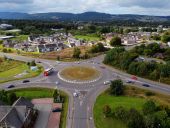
[(20, 115), (72, 42), (5, 26), (168, 44)]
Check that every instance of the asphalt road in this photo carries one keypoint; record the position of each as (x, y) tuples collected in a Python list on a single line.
[(80, 111)]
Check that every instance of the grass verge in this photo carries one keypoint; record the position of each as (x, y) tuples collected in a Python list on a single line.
[(132, 98)]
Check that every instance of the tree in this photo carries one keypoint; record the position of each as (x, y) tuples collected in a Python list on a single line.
[(135, 120), (107, 110), (55, 94), (116, 87), (33, 63), (149, 107), (121, 113), (76, 53), (12, 98), (58, 58), (4, 50), (165, 38), (116, 41)]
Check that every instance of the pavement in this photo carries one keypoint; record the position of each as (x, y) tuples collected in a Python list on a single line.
[(80, 110)]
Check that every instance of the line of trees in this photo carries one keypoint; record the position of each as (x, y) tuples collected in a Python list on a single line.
[(151, 116), (126, 60)]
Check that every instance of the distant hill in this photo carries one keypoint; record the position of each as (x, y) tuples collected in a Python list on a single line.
[(87, 16)]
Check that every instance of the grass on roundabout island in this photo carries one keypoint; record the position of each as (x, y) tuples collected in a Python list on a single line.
[(31, 93), (79, 73), (133, 98)]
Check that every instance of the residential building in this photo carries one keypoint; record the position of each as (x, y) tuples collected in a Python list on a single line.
[(20, 115)]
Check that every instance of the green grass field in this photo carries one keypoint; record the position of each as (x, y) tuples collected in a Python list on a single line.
[(9, 69), (31, 93), (128, 102), (20, 38), (87, 37), (133, 98)]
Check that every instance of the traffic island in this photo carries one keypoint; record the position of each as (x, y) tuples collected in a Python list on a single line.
[(79, 74)]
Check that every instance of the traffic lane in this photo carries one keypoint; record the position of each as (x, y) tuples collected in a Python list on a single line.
[(80, 113)]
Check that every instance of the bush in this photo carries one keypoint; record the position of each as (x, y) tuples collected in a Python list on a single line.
[(121, 113), (116, 87), (149, 93), (149, 107), (12, 98), (107, 110), (116, 41), (4, 50)]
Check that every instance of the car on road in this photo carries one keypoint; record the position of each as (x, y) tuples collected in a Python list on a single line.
[(146, 85), (107, 82), (11, 86), (56, 82), (56, 110), (25, 81), (75, 94), (130, 81), (38, 61), (58, 62)]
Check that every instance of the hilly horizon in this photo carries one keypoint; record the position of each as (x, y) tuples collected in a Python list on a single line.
[(86, 16)]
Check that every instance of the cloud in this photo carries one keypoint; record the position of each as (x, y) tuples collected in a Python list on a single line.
[(16, 1), (145, 3), (147, 7)]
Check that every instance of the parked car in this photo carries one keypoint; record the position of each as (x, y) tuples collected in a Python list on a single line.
[(146, 85), (11, 86), (56, 110), (25, 81)]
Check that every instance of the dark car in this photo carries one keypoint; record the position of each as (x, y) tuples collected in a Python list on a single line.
[(11, 86), (146, 85), (130, 82), (57, 110), (25, 81)]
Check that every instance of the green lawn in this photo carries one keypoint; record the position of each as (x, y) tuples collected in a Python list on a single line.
[(20, 38), (10, 69), (113, 102), (31, 93), (133, 98), (87, 37)]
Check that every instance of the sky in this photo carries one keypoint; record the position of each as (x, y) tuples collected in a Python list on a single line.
[(142, 7)]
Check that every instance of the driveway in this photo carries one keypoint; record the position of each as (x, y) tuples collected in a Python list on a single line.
[(44, 107), (46, 118)]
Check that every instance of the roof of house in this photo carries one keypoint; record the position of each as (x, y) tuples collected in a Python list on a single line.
[(12, 119), (14, 115), (23, 102)]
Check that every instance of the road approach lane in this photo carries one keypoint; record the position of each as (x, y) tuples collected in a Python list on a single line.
[(80, 111)]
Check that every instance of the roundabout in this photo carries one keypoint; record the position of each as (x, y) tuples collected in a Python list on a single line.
[(79, 74)]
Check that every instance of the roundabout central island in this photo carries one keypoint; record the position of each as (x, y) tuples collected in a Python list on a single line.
[(79, 74)]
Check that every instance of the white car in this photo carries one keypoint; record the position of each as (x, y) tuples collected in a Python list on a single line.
[(58, 62), (75, 94), (56, 82), (107, 82)]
